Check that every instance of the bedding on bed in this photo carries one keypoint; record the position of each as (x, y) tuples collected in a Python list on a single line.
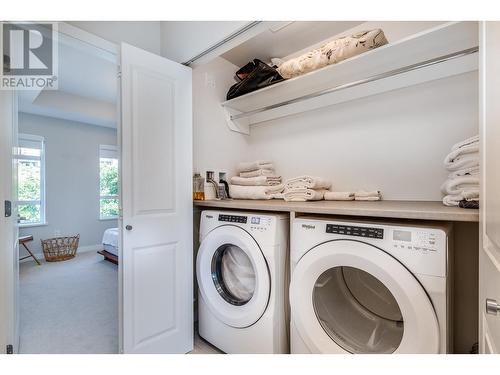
[(110, 240)]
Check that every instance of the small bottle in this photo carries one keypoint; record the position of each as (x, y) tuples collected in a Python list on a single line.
[(198, 187)]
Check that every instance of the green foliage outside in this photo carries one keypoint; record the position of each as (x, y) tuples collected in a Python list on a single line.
[(109, 187), (29, 190)]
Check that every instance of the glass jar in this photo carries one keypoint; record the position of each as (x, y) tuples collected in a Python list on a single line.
[(198, 187)]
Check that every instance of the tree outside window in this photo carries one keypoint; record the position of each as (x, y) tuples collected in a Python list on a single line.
[(108, 185)]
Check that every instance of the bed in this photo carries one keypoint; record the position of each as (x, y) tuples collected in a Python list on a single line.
[(110, 245)]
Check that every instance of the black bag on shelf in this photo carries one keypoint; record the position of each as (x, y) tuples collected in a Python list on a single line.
[(254, 76)]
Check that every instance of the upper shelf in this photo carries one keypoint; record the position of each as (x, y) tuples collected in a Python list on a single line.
[(444, 51)]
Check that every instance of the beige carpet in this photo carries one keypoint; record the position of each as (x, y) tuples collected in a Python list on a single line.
[(69, 307)]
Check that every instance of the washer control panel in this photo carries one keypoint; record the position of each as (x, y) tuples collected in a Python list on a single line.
[(420, 241), (233, 218), (350, 230), (259, 223)]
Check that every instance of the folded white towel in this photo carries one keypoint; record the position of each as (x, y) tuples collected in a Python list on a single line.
[(467, 150), (469, 171), (367, 198), (256, 181), (339, 196), (466, 142), (249, 166), (258, 172), (463, 161), (308, 182), (365, 194), (303, 194), (461, 184), (254, 192)]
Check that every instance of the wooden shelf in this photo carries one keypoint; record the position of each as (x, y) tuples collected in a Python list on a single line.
[(421, 210), (270, 102)]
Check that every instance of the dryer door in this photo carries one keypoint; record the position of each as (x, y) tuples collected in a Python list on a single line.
[(233, 276), (351, 297)]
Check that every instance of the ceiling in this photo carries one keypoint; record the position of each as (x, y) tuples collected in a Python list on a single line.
[(87, 86)]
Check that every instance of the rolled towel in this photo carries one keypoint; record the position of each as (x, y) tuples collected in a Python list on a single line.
[(461, 184), (469, 171), (258, 172), (466, 142), (303, 194), (374, 195), (463, 162), (461, 152), (308, 182), (254, 192), (339, 196), (256, 181), (249, 166)]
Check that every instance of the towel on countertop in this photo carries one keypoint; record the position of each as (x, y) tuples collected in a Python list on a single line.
[(461, 185), (303, 194), (339, 196), (374, 195), (254, 192), (257, 173), (249, 166), (308, 182), (455, 199), (256, 181)]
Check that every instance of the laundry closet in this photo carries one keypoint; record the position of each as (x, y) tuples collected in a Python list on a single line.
[(380, 121)]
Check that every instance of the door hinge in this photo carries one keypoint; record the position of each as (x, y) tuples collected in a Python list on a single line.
[(7, 208), (9, 349)]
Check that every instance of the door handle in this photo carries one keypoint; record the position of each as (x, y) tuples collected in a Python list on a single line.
[(492, 306), (128, 227)]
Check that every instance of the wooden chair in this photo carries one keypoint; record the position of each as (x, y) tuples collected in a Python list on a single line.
[(22, 241)]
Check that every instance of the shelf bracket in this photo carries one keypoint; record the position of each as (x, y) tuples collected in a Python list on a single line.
[(241, 125)]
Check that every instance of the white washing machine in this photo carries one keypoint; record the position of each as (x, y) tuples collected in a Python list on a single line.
[(369, 287), (242, 269)]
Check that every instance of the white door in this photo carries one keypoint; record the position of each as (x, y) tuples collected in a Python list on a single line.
[(9, 263), (489, 252), (157, 236)]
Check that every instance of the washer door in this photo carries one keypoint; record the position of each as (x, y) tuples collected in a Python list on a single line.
[(351, 297), (233, 276)]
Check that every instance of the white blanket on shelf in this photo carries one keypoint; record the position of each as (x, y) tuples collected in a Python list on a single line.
[(256, 181), (254, 192), (466, 142), (460, 185), (307, 182), (339, 196), (257, 173)]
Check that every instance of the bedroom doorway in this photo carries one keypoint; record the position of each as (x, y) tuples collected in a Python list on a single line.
[(68, 203)]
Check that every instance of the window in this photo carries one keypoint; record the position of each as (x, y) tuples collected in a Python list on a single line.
[(31, 180), (108, 182)]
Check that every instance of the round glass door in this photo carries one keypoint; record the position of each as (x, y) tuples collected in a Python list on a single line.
[(357, 311), (233, 274)]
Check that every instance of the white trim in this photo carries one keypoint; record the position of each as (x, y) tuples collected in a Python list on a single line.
[(81, 249), (32, 225), (96, 41)]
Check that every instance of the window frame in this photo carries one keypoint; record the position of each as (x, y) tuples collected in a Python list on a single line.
[(42, 201), (110, 149)]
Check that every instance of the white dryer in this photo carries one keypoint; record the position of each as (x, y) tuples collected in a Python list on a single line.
[(241, 269), (369, 287)]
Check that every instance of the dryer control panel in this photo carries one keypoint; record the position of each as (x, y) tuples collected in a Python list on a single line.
[(351, 230), (415, 240), (233, 218)]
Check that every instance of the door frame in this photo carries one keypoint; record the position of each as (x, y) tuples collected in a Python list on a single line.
[(109, 50)]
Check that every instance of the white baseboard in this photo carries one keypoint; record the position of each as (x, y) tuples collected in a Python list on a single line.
[(81, 249)]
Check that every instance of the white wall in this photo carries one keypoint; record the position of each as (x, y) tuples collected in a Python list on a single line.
[(142, 34), (394, 142), (71, 178)]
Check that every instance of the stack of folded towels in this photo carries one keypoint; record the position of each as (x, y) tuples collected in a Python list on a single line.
[(305, 188), (462, 186), (255, 180)]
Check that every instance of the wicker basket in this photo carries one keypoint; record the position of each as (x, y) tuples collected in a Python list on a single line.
[(60, 248)]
